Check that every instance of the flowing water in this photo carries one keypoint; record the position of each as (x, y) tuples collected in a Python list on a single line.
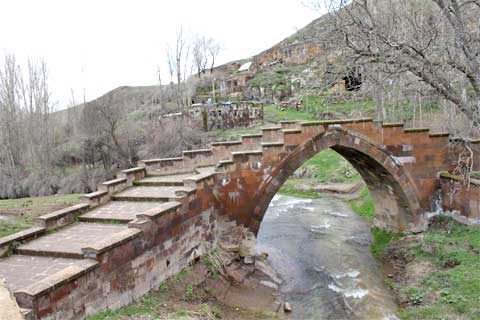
[(321, 249)]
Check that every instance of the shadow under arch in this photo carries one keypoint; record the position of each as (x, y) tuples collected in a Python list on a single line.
[(397, 207)]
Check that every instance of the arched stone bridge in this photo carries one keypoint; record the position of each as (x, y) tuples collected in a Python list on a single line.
[(151, 221)]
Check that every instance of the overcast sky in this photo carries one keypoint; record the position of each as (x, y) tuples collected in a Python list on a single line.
[(103, 44)]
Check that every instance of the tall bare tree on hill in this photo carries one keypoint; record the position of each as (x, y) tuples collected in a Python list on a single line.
[(435, 42)]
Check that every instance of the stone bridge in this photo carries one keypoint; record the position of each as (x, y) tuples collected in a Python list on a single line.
[(150, 222)]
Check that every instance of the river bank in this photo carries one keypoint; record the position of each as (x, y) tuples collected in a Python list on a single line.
[(434, 275)]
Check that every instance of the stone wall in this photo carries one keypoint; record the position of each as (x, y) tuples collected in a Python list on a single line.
[(164, 243), (459, 200)]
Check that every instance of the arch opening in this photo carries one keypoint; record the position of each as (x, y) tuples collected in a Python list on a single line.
[(396, 204)]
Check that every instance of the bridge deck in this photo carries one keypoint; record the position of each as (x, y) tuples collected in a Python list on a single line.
[(168, 180), (21, 271), (69, 241), (121, 211), (148, 193)]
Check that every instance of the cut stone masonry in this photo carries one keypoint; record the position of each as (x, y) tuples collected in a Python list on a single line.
[(153, 220)]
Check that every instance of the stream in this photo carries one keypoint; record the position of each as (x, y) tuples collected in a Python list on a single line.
[(320, 247)]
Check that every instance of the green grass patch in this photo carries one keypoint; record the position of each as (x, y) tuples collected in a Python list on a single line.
[(330, 167), (455, 250), (289, 189), (147, 305), (273, 113), (19, 214), (364, 206), (319, 104), (234, 134), (381, 239), (452, 289)]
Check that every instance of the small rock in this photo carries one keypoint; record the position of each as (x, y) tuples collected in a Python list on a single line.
[(269, 284), (287, 307), (262, 256), (390, 275), (429, 248), (249, 260)]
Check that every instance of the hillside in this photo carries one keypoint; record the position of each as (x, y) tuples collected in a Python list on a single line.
[(300, 60)]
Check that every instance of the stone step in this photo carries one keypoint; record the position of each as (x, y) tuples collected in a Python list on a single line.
[(68, 242), (164, 180), (117, 211), (32, 275), (149, 193)]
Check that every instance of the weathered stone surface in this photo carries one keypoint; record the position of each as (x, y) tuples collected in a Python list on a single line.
[(122, 211), (69, 241), (186, 215), (9, 309)]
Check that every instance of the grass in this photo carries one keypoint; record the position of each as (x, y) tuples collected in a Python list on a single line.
[(289, 189), (19, 214), (381, 239), (234, 134), (454, 289), (364, 206), (178, 298), (272, 113), (316, 104), (147, 305), (328, 166)]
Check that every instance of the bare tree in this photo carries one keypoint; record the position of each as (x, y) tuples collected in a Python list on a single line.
[(11, 142), (433, 42), (200, 54), (213, 49), (178, 60)]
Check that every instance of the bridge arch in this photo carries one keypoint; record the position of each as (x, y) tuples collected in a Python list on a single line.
[(397, 206)]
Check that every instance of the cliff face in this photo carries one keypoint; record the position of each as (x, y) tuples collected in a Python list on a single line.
[(308, 61)]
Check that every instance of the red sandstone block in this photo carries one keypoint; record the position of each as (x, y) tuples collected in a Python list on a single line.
[(62, 217)]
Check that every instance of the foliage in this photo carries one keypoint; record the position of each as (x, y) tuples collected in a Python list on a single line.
[(415, 295), (289, 189), (273, 113), (148, 304), (454, 287), (381, 239), (364, 206), (19, 214)]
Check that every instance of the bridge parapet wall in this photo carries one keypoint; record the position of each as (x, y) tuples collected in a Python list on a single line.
[(460, 200)]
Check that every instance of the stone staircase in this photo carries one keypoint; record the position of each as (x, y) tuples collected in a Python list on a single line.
[(66, 245), (142, 227)]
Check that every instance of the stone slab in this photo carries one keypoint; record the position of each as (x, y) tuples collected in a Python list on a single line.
[(69, 241), (9, 308), (167, 180), (149, 193), (122, 211), (21, 271)]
